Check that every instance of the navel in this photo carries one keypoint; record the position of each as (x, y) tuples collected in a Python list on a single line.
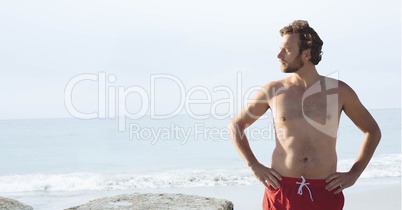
[(305, 159), (283, 119)]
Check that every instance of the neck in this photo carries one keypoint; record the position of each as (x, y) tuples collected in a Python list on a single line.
[(306, 76)]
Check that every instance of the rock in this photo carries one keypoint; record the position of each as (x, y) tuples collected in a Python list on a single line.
[(138, 201), (10, 204)]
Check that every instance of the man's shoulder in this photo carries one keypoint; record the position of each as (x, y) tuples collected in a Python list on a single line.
[(336, 83), (343, 89), (274, 87), (276, 84)]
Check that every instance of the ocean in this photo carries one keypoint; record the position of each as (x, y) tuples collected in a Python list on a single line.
[(44, 158)]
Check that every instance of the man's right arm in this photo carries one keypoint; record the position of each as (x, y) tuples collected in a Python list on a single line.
[(249, 114)]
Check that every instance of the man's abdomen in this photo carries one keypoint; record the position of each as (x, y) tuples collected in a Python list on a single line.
[(308, 161)]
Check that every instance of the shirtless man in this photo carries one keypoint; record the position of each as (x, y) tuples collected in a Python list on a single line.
[(306, 108)]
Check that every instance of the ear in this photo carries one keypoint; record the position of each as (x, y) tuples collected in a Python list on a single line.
[(307, 54)]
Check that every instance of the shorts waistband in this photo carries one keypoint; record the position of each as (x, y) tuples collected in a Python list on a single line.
[(314, 183)]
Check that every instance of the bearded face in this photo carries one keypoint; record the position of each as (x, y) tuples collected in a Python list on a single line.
[(291, 67), (289, 55)]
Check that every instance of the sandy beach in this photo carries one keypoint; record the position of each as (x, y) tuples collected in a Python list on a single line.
[(387, 197)]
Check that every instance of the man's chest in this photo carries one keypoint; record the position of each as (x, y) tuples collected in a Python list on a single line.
[(318, 106)]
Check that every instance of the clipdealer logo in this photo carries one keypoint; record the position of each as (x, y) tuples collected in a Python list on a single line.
[(112, 100)]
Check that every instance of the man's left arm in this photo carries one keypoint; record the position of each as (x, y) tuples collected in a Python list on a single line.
[(360, 116)]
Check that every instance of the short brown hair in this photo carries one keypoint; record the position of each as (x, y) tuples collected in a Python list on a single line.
[(308, 38)]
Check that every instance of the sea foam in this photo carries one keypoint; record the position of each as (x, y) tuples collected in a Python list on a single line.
[(381, 166)]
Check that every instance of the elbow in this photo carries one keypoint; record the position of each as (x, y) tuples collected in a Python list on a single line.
[(375, 134), (236, 125), (234, 128), (378, 134)]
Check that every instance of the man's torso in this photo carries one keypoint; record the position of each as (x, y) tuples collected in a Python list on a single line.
[(306, 122)]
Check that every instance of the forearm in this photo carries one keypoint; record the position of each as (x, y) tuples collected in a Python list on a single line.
[(241, 143), (366, 151)]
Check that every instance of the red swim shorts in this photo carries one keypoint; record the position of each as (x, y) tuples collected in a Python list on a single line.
[(302, 194)]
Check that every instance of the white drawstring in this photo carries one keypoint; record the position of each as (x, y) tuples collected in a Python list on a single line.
[(303, 184)]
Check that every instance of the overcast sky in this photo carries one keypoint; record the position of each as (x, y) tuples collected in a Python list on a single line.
[(201, 44)]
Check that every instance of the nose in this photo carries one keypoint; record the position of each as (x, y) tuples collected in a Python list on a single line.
[(280, 56)]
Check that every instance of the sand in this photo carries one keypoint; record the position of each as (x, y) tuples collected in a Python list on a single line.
[(387, 197)]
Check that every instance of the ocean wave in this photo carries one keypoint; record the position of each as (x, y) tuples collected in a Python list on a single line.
[(381, 166), (89, 181)]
